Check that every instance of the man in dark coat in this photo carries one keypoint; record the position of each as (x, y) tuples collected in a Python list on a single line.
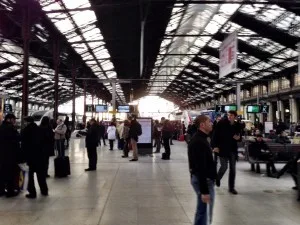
[(166, 135), (9, 155), (135, 131), (91, 144), (259, 151), (35, 156), (101, 130), (225, 138), (202, 169)]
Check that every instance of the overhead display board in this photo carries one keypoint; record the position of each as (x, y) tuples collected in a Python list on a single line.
[(253, 109), (89, 108), (123, 109), (228, 55), (7, 108), (101, 108), (225, 108)]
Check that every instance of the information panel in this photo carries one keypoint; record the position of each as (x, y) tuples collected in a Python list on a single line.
[(101, 108), (228, 55), (145, 140), (268, 127), (123, 109)]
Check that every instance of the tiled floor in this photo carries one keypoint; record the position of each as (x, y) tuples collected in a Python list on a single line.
[(149, 192)]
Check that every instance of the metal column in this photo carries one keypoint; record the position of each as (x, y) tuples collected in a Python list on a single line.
[(84, 104), (56, 77), (238, 96), (92, 104), (25, 33), (114, 96), (142, 48), (73, 96)]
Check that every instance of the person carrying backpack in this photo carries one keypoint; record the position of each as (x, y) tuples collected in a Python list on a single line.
[(134, 132)]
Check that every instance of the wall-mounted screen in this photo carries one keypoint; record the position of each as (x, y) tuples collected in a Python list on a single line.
[(123, 109), (89, 108), (230, 108), (253, 109), (101, 108)]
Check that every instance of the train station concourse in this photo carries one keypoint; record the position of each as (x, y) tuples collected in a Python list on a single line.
[(149, 112)]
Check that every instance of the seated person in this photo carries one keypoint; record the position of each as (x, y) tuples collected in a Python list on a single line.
[(272, 135), (259, 151), (283, 139), (291, 167)]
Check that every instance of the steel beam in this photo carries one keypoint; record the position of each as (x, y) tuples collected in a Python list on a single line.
[(56, 76), (25, 34), (84, 104), (73, 96)]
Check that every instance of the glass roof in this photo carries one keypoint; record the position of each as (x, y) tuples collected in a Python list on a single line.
[(85, 37), (260, 56), (41, 76)]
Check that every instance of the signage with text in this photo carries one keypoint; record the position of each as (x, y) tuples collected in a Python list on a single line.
[(228, 55), (101, 108), (7, 108)]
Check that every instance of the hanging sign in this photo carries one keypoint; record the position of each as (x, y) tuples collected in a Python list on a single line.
[(228, 55), (7, 108)]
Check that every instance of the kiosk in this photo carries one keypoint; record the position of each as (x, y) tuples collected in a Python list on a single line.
[(145, 140)]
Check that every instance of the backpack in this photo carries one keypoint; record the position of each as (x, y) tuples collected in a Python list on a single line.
[(139, 129)]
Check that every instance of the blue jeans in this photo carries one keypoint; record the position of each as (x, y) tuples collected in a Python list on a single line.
[(201, 212)]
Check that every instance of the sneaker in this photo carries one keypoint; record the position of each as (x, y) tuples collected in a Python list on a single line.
[(295, 188), (124, 156), (45, 193), (233, 191), (31, 196)]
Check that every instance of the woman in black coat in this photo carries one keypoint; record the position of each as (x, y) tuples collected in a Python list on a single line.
[(47, 140)]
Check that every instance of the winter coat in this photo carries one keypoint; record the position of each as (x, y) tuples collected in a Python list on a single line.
[(10, 152), (47, 140), (111, 133), (60, 132), (32, 146), (92, 138)]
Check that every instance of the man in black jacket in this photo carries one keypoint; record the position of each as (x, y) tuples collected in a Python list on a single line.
[(135, 130), (101, 130), (202, 169), (9, 155), (91, 143), (35, 156), (225, 138)]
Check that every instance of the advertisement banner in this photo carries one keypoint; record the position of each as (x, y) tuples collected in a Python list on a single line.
[(228, 55)]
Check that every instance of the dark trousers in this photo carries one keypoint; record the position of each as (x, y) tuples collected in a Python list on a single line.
[(121, 144), (126, 147), (60, 147), (7, 178), (92, 155), (158, 144), (232, 169), (47, 164), (167, 147), (102, 136), (111, 144), (41, 177)]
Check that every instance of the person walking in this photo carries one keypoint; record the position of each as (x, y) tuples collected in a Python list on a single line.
[(134, 132), (203, 170), (91, 144), (10, 155), (126, 138), (166, 135), (48, 140), (226, 136), (59, 136), (111, 135), (102, 133), (157, 135), (35, 156)]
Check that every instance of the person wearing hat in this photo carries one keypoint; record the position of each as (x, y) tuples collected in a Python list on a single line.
[(35, 156), (259, 150), (9, 155)]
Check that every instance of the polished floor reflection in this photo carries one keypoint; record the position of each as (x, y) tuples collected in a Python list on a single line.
[(149, 192)]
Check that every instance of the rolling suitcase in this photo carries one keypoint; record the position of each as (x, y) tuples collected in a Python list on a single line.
[(62, 166)]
